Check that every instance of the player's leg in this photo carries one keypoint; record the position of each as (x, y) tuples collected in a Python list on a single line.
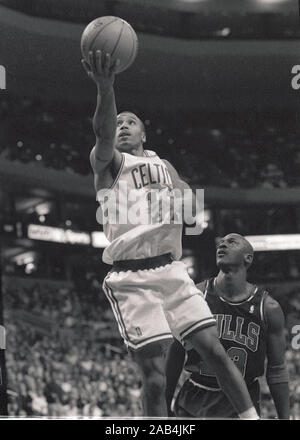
[(142, 324), (191, 320), (195, 401), (254, 391), (208, 345), (182, 412), (185, 399), (151, 360)]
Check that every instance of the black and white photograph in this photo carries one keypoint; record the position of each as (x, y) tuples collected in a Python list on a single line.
[(150, 212)]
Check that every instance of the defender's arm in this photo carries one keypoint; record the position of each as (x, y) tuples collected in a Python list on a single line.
[(277, 373)]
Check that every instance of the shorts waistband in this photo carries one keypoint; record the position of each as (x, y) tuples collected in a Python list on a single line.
[(143, 263), (199, 382)]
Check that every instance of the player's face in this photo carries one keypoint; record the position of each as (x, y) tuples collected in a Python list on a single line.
[(231, 251), (130, 134)]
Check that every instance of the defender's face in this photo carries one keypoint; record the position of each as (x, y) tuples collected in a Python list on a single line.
[(230, 251), (130, 134)]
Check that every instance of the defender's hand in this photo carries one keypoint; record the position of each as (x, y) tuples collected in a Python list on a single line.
[(101, 69)]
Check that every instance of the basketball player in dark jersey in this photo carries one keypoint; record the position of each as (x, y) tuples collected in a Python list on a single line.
[(251, 329)]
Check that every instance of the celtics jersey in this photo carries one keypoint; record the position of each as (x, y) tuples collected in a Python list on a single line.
[(242, 332), (136, 209)]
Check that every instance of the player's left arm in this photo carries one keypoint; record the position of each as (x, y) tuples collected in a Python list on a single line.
[(277, 372), (176, 179)]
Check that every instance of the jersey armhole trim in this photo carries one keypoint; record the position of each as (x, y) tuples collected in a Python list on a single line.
[(206, 289), (262, 308)]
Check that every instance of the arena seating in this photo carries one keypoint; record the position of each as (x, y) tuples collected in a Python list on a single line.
[(241, 153), (71, 371), (61, 360)]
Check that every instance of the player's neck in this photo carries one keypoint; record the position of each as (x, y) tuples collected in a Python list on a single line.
[(232, 284), (134, 150), (139, 151)]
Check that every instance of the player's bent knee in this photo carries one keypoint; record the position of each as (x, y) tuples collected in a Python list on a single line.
[(155, 381), (207, 344), (153, 368), (154, 386), (204, 339), (215, 356), (151, 358)]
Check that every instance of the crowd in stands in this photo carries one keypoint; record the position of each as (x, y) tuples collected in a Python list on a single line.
[(65, 357), (54, 376), (244, 152), (74, 364)]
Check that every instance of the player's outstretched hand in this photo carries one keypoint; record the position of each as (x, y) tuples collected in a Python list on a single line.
[(101, 69)]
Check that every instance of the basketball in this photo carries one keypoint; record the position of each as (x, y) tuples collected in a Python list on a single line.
[(111, 35)]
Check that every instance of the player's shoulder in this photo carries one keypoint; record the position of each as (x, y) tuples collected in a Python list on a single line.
[(271, 303), (150, 153), (170, 167), (273, 313)]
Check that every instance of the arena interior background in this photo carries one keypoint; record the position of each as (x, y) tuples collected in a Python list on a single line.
[(212, 83)]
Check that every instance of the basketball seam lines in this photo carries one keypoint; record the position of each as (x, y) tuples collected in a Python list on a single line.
[(118, 39), (96, 36)]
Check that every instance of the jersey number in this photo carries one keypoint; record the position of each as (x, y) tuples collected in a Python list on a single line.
[(238, 355), (155, 200)]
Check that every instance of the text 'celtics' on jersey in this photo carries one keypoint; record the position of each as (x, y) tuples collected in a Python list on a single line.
[(134, 232)]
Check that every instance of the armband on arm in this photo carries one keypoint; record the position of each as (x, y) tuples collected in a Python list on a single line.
[(277, 374)]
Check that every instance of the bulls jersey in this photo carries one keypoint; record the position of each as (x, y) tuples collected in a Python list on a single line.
[(242, 332), (133, 231)]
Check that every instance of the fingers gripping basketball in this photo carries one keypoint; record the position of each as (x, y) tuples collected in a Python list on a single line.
[(110, 35)]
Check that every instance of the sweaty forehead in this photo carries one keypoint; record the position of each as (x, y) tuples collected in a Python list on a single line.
[(127, 115), (235, 236), (248, 247)]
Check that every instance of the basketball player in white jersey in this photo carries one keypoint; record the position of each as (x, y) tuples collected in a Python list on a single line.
[(150, 291)]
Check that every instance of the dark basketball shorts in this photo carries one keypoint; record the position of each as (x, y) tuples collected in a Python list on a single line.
[(195, 401)]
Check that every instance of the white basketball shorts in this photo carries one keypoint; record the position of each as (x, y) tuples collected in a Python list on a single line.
[(154, 304)]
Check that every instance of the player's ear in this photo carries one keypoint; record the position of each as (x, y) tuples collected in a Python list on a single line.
[(143, 137), (248, 259)]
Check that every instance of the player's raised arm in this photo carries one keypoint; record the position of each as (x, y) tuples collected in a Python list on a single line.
[(277, 373), (174, 366), (102, 71)]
